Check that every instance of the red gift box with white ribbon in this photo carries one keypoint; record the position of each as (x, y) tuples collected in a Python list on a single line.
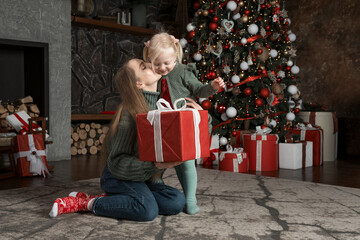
[(168, 135), (30, 155), (263, 150), (315, 135), (234, 160)]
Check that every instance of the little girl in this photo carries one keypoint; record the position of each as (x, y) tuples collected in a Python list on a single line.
[(164, 52)]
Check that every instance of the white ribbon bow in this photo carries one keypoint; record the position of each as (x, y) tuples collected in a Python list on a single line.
[(154, 117), (37, 166), (237, 151)]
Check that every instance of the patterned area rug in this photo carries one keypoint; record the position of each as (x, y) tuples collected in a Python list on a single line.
[(233, 206)]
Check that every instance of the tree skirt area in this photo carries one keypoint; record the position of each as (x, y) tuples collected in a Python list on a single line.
[(232, 206)]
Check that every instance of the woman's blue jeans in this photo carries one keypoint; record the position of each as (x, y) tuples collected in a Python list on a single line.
[(139, 201)]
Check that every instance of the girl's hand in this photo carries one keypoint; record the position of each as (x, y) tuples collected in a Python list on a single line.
[(162, 165), (218, 83), (191, 103)]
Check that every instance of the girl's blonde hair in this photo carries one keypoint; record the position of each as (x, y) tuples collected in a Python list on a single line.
[(158, 44), (132, 100)]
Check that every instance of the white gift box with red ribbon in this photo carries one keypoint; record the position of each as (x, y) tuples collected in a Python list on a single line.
[(20, 121), (296, 155)]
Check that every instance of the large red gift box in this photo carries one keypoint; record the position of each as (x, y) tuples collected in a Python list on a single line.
[(234, 161), (263, 151), (30, 155), (175, 137), (315, 135)]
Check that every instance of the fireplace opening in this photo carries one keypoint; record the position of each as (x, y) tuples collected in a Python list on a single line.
[(24, 71)]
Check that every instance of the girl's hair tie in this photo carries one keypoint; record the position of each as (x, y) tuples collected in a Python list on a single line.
[(174, 39)]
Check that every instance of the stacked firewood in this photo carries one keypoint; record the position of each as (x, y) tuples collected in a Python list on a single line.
[(23, 104), (87, 138)]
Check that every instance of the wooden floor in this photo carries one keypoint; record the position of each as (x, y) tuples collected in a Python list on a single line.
[(340, 172)]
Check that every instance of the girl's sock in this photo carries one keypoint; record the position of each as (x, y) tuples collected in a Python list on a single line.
[(85, 195), (70, 205)]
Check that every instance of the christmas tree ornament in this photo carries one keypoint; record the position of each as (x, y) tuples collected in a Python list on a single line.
[(191, 34), (236, 91), (264, 92), (247, 91), (244, 66), (245, 19), (203, 63), (243, 41), (296, 96), (296, 110), (241, 3), (289, 63), (242, 75), (227, 24), (231, 6), (223, 141), (295, 69), (205, 13), (224, 117), (259, 102), (253, 29), (183, 42), (234, 133), (190, 27), (197, 57), (231, 112), (292, 89), (290, 116), (273, 123), (259, 51), (276, 88), (199, 12), (291, 104), (235, 79), (292, 37), (264, 55), (213, 26), (236, 16), (206, 105), (215, 19), (226, 69), (221, 108), (273, 53)]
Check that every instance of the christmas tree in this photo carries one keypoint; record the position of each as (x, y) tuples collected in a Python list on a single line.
[(250, 45)]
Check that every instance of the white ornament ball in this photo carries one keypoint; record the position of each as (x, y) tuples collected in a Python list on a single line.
[(183, 42), (197, 56), (253, 29), (231, 5), (224, 117), (290, 63), (243, 41), (235, 79), (295, 69), (223, 141), (201, 100), (273, 123), (288, 20), (290, 116), (237, 16), (244, 66), (273, 53), (190, 27), (292, 37), (231, 112), (292, 89)]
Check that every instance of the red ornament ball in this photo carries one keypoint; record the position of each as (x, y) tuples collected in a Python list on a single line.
[(213, 26), (278, 80), (259, 71), (296, 110), (206, 105), (246, 12), (221, 108), (211, 75), (267, 28), (287, 68), (247, 91), (196, 5), (259, 102), (264, 92), (263, 6), (259, 18), (259, 51), (226, 47), (247, 115), (234, 133), (215, 19), (191, 34), (264, 71)]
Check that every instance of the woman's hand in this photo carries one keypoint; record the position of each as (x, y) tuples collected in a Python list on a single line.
[(162, 165), (191, 103)]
